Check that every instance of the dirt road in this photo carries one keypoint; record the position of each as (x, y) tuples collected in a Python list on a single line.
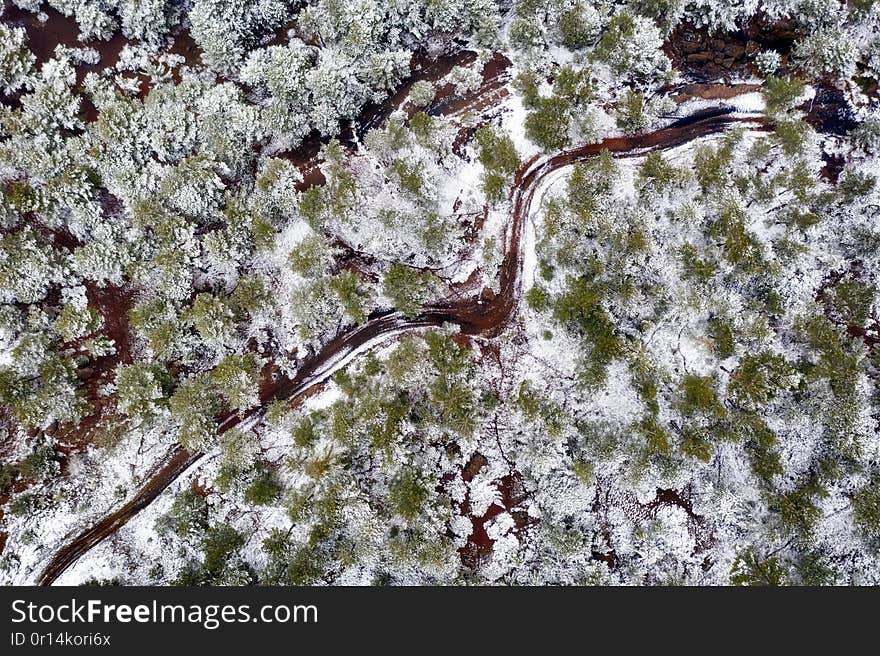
[(473, 315)]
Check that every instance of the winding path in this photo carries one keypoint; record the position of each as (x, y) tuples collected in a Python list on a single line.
[(472, 314)]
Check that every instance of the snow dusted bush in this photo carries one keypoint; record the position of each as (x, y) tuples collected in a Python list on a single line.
[(718, 15), (466, 79), (768, 61), (422, 93), (630, 45)]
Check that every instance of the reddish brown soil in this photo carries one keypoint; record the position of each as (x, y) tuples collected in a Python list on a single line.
[(479, 545), (828, 111), (61, 30), (711, 91), (670, 497), (42, 39), (714, 56)]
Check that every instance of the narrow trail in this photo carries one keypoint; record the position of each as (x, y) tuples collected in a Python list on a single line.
[(472, 314)]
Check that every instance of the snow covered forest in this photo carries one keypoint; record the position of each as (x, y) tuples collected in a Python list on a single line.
[(440, 292)]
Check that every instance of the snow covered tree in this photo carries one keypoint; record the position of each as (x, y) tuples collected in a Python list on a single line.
[(750, 569), (351, 295), (27, 267), (548, 124), (580, 25), (195, 404), (237, 378), (421, 93), (630, 45), (212, 318), (142, 391), (16, 61), (226, 30), (41, 386), (829, 53), (866, 507)]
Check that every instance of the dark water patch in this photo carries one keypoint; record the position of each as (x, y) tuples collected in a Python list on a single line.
[(828, 111), (834, 165)]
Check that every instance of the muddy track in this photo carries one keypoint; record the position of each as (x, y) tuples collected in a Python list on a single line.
[(473, 315)]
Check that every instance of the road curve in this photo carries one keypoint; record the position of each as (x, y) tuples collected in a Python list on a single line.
[(473, 315)]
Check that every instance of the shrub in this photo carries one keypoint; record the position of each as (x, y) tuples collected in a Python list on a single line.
[(851, 301), (696, 268), (866, 507), (188, 515), (407, 287), (759, 445), (695, 443), (722, 337), (573, 85), (758, 378), (407, 494), (8, 474), (526, 84), (699, 395), (659, 172), (631, 115), (750, 569), (579, 25), (265, 489), (791, 135), (498, 156), (548, 125), (351, 295), (798, 513), (220, 542), (496, 151), (422, 93), (781, 93), (40, 464)]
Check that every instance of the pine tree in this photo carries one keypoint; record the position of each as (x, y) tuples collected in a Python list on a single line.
[(548, 124), (407, 288), (142, 390), (237, 378)]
